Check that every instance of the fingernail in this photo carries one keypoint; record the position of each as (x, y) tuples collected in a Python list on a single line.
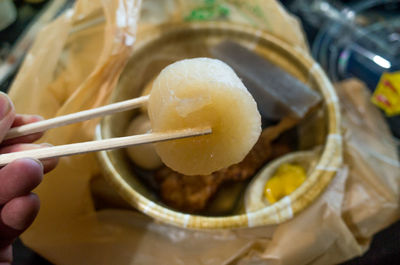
[(5, 104), (37, 161), (29, 118)]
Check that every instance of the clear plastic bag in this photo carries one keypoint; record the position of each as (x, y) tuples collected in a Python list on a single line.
[(75, 63)]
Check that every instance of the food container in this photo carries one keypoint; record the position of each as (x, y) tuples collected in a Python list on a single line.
[(157, 49)]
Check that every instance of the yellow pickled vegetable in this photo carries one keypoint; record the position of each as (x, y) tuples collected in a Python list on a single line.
[(286, 179)]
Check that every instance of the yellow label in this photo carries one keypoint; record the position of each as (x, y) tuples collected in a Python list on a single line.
[(387, 93)]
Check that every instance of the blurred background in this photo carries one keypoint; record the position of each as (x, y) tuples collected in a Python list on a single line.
[(348, 38)]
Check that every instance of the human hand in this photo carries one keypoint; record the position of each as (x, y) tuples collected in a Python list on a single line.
[(18, 205)]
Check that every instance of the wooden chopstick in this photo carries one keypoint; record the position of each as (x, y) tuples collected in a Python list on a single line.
[(75, 117), (100, 145)]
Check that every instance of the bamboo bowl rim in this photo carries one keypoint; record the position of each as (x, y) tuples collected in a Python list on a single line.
[(283, 210)]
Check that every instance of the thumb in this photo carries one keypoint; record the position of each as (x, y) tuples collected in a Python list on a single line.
[(7, 114)]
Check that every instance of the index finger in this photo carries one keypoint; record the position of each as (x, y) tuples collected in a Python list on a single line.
[(7, 115), (22, 119)]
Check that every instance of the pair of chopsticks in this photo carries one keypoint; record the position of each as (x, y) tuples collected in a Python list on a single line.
[(92, 146)]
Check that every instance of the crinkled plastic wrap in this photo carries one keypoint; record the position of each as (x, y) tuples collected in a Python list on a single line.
[(75, 63)]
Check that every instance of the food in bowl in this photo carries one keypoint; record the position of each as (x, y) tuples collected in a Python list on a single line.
[(285, 180), (198, 93), (144, 156), (193, 193), (206, 92), (279, 179), (277, 93)]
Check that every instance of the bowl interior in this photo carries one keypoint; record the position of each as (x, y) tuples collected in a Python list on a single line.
[(157, 50)]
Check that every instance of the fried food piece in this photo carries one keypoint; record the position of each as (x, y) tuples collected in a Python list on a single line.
[(191, 193)]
